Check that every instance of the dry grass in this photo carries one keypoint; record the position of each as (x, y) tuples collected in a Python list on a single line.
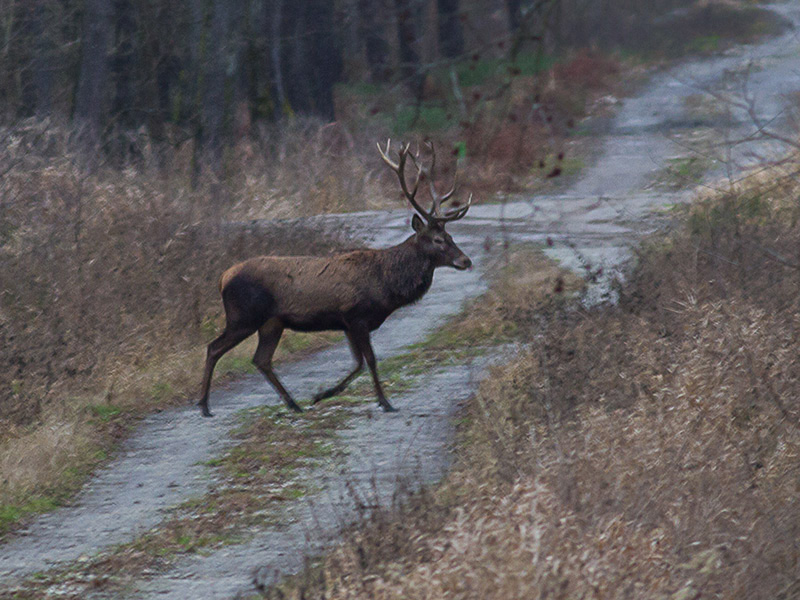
[(644, 450), (108, 296), (306, 167)]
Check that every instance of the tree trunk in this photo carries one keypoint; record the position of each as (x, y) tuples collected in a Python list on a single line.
[(293, 57), (324, 59), (375, 45), (276, 19), (407, 40), (311, 59), (197, 37), (43, 56), (514, 14), (90, 98), (122, 64), (451, 36), (223, 52)]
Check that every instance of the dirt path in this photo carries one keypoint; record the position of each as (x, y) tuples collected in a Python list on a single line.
[(162, 464)]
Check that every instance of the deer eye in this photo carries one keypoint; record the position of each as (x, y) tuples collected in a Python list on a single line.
[(438, 241)]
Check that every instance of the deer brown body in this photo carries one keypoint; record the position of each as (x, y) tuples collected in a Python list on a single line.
[(352, 292)]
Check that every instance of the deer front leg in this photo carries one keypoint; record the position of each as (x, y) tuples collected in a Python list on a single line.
[(361, 337), (268, 337), (339, 387)]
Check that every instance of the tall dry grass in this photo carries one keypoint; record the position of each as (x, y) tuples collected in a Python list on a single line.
[(110, 257), (108, 293), (645, 450), (106, 270)]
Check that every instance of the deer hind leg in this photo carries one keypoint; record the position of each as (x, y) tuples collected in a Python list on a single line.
[(229, 338), (268, 337), (361, 337), (339, 387)]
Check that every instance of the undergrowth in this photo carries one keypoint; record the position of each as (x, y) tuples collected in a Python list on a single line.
[(108, 297), (261, 470)]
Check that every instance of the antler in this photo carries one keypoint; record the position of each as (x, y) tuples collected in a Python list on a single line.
[(438, 199), (434, 215), (399, 168)]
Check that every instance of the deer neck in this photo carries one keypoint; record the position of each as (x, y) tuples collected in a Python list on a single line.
[(408, 273)]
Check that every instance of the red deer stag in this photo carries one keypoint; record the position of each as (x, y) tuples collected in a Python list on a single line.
[(352, 292)]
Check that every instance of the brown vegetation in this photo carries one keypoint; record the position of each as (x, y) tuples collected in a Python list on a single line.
[(109, 289), (109, 277), (109, 270), (647, 449)]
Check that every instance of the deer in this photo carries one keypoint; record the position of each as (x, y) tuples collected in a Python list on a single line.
[(353, 292)]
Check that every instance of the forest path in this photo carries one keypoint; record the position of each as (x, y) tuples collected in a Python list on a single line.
[(596, 220)]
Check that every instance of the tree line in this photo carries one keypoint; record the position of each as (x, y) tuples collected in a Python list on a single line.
[(211, 67), (207, 65)]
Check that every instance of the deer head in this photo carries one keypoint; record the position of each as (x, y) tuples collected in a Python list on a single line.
[(429, 225)]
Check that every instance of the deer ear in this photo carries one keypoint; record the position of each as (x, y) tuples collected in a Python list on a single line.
[(417, 223)]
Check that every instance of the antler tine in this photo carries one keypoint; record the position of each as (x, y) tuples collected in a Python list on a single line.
[(385, 155), (439, 199), (452, 189), (436, 208), (416, 165), (399, 168), (458, 213)]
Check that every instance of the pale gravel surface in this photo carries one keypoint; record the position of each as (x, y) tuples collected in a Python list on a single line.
[(599, 216)]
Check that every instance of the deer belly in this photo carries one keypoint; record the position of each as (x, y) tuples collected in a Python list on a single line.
[(373, 316), (316, 322)]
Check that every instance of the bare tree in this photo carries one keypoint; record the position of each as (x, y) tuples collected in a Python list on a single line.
[(451, 35), (407, 41), (375, 44), (123, 62), (275, 12), (90, 99), (223, 53), (324, 58)]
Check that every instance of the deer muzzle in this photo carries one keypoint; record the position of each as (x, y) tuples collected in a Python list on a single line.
[(462, 262)]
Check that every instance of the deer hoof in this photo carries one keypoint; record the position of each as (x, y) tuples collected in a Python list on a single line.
[(204, 410), (389, 408)]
